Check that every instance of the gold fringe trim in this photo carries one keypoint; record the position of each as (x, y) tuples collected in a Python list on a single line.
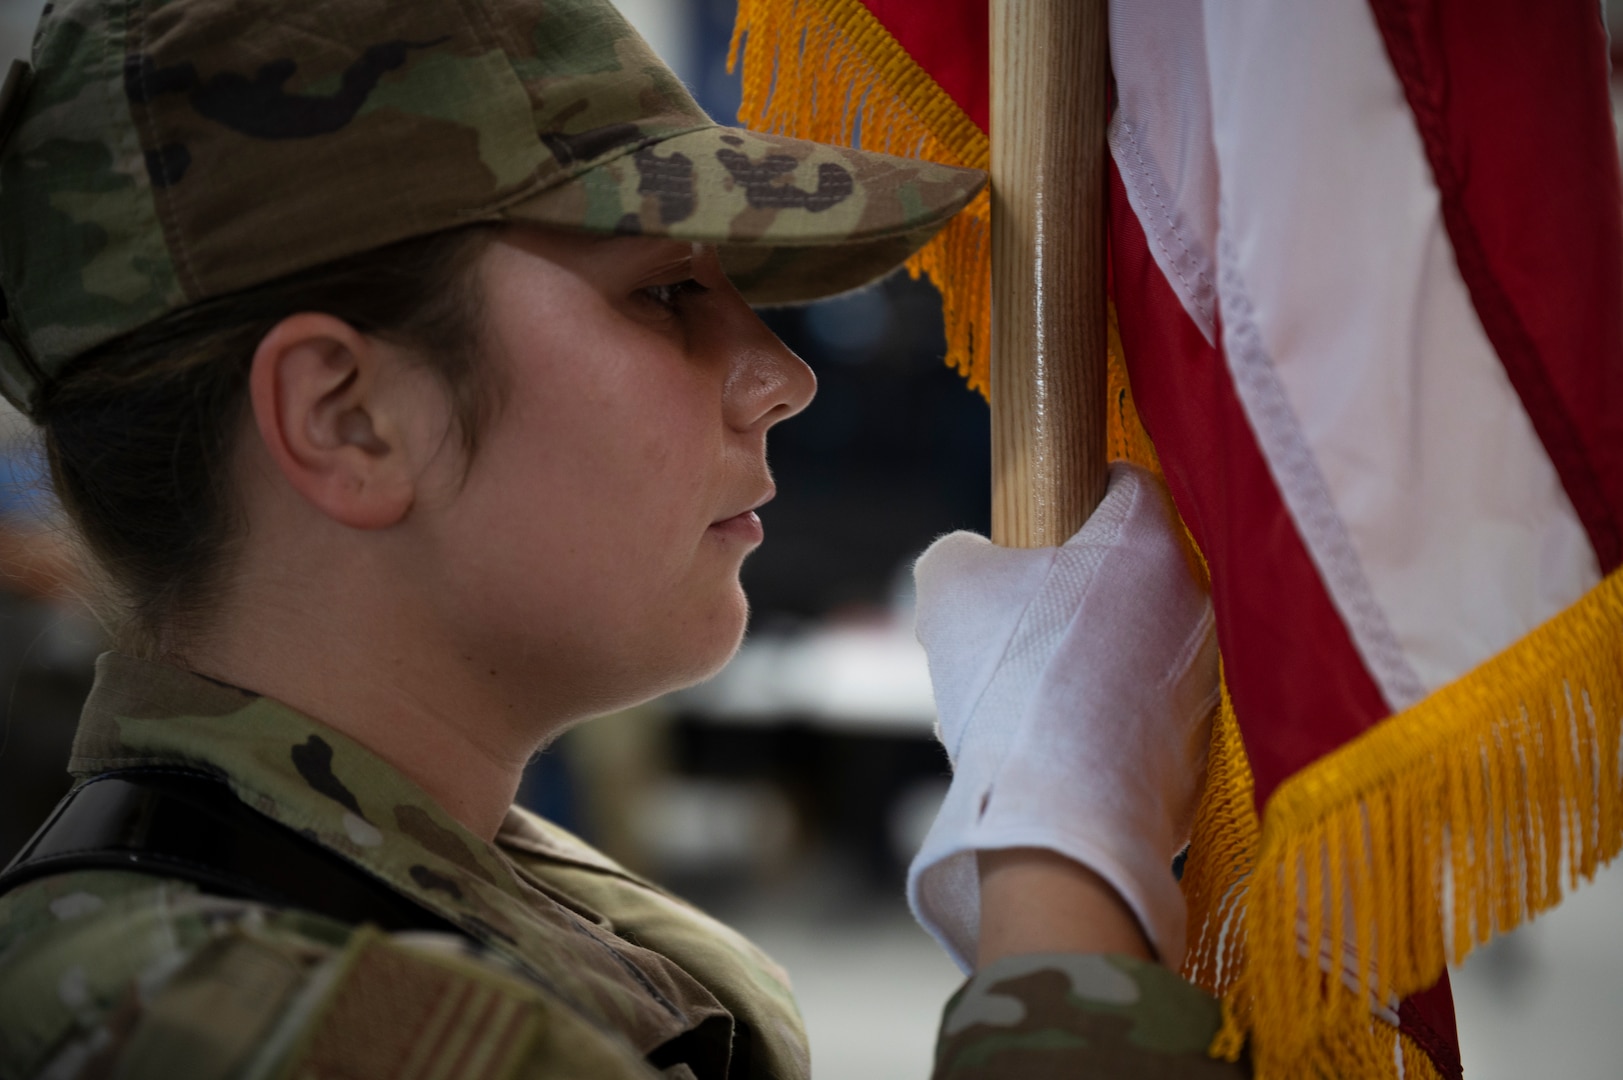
[(1222, 850), (1440, 827), (828, 70)]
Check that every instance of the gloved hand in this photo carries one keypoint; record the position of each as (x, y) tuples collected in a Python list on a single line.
[(1075, 688)]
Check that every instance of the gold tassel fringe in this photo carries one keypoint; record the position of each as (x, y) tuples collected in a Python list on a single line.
[(828, 70), (1440, 827), (1222, 850)]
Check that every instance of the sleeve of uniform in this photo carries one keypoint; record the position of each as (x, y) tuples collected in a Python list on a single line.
[(1073, 1015)]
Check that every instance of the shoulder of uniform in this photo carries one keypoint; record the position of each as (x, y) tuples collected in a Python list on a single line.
[(398, 1006), (84, 954), (120, 972)]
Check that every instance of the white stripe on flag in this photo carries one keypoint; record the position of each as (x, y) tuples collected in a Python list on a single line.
[(1405, 457)]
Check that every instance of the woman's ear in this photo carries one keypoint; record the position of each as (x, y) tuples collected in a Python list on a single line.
[(328, 404)]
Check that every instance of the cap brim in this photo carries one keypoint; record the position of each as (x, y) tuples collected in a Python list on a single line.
[(795, 220)]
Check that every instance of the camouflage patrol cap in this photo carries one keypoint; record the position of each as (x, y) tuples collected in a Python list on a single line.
[(163, 152)]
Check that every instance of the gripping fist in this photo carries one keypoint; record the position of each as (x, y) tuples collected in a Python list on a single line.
[(1074, 688)]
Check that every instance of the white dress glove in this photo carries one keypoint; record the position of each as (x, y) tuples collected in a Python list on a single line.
[(1075, 688)]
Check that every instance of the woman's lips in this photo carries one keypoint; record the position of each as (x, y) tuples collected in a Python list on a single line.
[(745, 527)]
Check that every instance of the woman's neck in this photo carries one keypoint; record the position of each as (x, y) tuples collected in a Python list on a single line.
[(378, 679)]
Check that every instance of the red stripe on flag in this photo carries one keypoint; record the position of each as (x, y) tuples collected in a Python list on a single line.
[(948, 39), (1512, 103), (1428, 1019), (1300, 689)]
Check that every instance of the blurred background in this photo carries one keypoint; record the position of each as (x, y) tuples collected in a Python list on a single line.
[(787, 794)]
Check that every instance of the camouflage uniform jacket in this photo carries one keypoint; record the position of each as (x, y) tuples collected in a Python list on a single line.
[(573, 966)]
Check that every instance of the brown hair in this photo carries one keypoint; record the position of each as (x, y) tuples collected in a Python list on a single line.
[(141, 432)]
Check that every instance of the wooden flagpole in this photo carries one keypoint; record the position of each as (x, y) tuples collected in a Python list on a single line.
[(1049, 69)]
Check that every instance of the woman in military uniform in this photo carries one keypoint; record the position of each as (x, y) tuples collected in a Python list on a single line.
[(396, 365)]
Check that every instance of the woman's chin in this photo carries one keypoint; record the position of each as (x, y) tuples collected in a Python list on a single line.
[(711, 643), (679, 673)]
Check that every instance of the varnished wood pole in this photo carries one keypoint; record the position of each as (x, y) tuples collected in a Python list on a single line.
[(1049, 67)]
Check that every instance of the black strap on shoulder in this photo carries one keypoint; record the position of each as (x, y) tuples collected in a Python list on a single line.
[(177, 823)]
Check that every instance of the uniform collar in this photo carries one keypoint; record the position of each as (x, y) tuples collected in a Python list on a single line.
[(311, 778), (282, 763)]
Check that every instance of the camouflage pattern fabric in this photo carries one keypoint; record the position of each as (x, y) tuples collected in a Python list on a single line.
[(161, 152), (572, 965), (1048, 1017)]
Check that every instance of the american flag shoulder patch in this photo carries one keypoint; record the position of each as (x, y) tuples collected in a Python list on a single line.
[(401, 1013)]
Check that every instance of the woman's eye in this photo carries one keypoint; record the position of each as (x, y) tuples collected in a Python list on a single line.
[(671, 296)]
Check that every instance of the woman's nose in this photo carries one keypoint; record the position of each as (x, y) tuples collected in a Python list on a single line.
[(766, 382)]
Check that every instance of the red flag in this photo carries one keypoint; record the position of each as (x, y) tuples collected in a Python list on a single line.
[(1368, 266)]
